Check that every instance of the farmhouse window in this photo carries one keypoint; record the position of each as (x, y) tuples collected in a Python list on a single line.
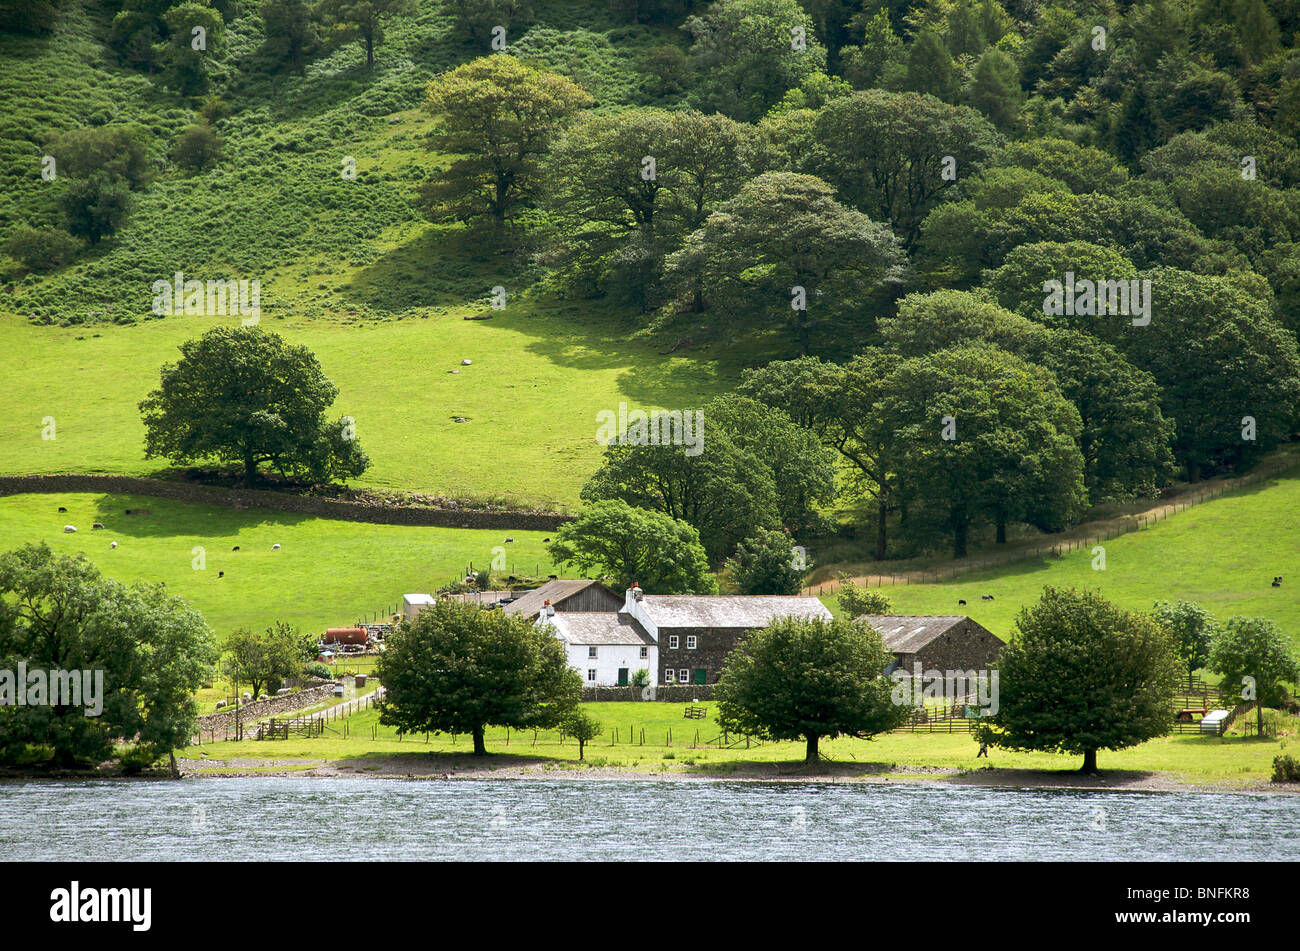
[(670, 676), (591, 652), (645, 653), (591, 673), (672, 641), (683, 676), (690, 642)]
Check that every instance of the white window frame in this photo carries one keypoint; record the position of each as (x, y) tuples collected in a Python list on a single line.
[(672, 642), (684, 675), (690, 642), (670, 676), (591, 653), (591, 673), (645, 652)]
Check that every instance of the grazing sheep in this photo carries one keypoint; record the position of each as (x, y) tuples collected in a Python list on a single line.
[(236, 548), (220, 704), (69, 528), (275, 547), (509, 540), (112, 544), (986, 597), (466, 363), (961, 601), (1277, 583), (62, 509), (221, 574), (96, 525)]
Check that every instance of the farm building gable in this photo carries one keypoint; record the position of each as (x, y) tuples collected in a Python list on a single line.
[(566, 596), (941, 642)]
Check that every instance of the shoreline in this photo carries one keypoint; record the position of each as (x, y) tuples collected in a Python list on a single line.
[(454, 768)]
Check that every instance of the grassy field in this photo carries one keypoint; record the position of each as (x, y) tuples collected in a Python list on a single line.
[(327, 573), (530, 396), (1192, 759), (1222, 554)]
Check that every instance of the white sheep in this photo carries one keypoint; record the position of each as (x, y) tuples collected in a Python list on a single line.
[(69, 528), (112, 544), (275, 547)]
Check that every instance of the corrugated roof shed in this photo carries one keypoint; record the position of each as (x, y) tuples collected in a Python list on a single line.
[(907, 634), (748, 611), (599, 627)]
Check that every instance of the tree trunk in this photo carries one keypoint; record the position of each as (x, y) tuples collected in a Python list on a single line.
[(1259, 717), (582, 746), (812, 757), (1002, 529), (1089, 762), (250, 470), (176, 772), (959, 539), (370, 50), (479, 748), (882, 506)]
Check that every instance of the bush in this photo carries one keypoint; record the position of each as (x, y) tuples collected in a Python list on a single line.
[(197, 148), (859, 601), (320, 670), (1286, 769), (136, 760), (41, 249), (765, 564)]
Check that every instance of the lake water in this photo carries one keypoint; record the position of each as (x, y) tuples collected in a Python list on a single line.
[(272, 818)]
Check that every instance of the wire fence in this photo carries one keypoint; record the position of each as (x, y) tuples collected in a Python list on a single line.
[(1086, 536)]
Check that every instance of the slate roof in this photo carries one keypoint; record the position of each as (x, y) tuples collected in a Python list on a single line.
[(600, 627), (726, 611), (907, 634)]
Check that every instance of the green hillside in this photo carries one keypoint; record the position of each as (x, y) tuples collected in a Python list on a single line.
[(1223, 554), (530, 396), (326, 572)]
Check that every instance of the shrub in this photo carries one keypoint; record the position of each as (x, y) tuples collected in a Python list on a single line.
[(41, 249), (1286, 769), (197, 148)]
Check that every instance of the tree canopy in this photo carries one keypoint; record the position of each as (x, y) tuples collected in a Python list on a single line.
[(1081, 675), (243, 395), (459, 668)]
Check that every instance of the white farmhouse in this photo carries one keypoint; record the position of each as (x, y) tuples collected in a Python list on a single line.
[(605, 648)]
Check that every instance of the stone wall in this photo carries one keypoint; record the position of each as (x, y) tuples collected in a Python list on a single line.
[(667, 694), (258, 709), (712, 646), (286, 502)]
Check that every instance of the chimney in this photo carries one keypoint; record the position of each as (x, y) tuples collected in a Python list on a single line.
[(547, 610), (632, 595)]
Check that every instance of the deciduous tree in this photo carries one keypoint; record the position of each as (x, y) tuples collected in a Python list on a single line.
[(1082, 675)]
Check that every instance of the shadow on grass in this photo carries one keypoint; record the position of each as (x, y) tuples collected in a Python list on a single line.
[(169, 518)]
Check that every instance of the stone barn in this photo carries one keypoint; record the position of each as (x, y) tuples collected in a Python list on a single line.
[(936, 642)]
